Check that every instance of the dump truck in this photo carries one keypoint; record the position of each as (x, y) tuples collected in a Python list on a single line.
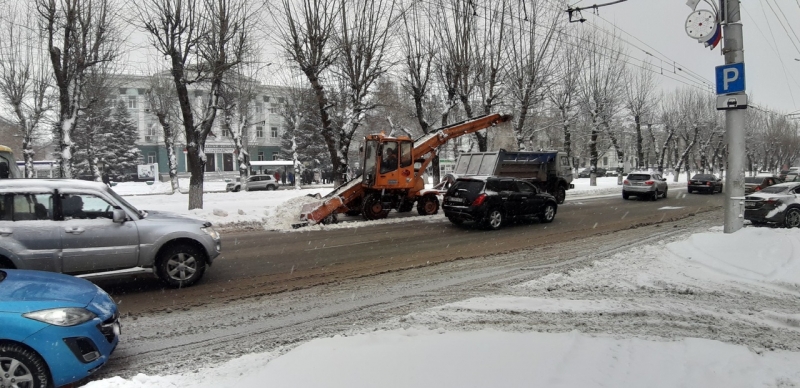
[(392, 175), (551, 171)]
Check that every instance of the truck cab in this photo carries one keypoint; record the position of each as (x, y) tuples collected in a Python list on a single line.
[(389, 163)]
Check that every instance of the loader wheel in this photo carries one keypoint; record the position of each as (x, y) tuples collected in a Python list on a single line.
[(405, 206), (372, 208), (428, 205)]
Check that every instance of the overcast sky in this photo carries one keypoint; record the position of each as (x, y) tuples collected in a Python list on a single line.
[(772, 73)]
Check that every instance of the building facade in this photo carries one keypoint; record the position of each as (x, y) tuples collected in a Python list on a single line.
[(262, 141)]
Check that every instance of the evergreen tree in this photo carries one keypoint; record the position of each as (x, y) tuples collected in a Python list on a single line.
[(121, 154)]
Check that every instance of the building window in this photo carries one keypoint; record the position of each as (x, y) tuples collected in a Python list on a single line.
[(259, 108), (273, 108), (132, 102), (151, 157), (259, 131), (260, 156), (273, 132), (605, 160), (275, 156)]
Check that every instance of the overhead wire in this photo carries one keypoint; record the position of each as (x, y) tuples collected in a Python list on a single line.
[(780, 59)]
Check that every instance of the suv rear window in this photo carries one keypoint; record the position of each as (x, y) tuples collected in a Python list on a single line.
[(469, 186), (753, 179), (639, 177)]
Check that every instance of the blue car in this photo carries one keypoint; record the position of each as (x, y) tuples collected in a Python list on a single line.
[(54, 329)]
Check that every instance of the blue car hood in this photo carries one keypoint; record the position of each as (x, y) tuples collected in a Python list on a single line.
[(22, 291)]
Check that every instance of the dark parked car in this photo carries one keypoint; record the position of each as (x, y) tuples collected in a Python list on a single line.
[(492, 201), (708, 183), (54, 329), (587, 171), (778, 204), (759, 182)]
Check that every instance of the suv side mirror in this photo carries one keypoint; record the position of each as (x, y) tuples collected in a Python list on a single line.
[(118, 215)]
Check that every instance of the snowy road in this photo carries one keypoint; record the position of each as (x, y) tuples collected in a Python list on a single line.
[(188, 338)]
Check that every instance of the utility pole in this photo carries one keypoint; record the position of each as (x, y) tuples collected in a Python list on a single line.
[(734, 118)]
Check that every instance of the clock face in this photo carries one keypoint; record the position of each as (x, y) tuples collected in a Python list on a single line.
[(701, 24)]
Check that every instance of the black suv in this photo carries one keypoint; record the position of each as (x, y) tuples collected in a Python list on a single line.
[(492, 201)]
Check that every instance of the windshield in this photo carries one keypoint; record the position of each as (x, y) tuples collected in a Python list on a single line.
[(125, 204), (704, 177)]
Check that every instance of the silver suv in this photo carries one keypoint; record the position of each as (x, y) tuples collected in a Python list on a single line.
[(78, 227), (255, 182), (644, 185)]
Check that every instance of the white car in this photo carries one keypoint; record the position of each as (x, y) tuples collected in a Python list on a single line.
[(644, 184)]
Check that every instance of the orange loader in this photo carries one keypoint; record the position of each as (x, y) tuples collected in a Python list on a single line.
[(392, 175)]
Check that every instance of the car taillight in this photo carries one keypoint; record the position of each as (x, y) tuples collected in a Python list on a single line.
[(479, 201), (758, 188), (625, 182), (649, 183), (708, 183)]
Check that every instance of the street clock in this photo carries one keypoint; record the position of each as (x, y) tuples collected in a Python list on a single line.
[(701, 24)]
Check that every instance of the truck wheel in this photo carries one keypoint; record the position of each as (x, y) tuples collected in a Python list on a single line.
[(22, 367), (561, 195), (180, 265), (494, 220), (372, 208), (428, 205)]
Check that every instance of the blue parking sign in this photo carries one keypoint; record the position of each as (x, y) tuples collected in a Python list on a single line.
[(730, 78)]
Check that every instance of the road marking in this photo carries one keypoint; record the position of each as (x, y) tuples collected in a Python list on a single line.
[(343, 245)]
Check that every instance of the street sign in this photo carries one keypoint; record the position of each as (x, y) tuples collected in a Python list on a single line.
[(730, 78), (732, 101)]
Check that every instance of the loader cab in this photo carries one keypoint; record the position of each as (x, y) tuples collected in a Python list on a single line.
[(388, 162)]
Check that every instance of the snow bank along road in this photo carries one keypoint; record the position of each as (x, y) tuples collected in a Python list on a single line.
[(238, 310)]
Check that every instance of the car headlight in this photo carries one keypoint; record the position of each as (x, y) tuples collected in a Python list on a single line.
[(211, 232), (70, 316)]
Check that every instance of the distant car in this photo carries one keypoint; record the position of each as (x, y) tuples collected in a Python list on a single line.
[(708, 183), (777, 204), (255, 182), (586, 172), (77, 227), (493, 201), (56, 329), (759, 182), (644, 185), (790, 171), (792, 177)]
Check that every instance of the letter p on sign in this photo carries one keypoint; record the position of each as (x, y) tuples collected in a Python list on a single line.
[(730, 78)]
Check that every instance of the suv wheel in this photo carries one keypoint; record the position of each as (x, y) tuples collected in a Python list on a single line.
[(664, 194), (180, 265), (22, 367), (625, 195), (494, 220), (271, 187), (792, 218), (655, 195), (548, 213)]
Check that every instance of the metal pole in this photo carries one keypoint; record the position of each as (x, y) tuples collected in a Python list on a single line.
[(734, 125)]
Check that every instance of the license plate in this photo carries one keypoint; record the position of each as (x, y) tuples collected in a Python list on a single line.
[(457, 200), (749, 204)]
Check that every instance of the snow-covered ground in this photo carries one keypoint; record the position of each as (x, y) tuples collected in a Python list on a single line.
[(747, 283)]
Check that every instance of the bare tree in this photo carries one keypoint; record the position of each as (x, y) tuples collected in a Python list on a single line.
[(364, 27), (202, 40), (419, 50), (163, 101), (80, 35), (640, 101), (306, 32), (24, 79), (601, 86), (563, 93)]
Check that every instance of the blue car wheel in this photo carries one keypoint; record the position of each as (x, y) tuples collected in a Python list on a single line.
[(20, 367)]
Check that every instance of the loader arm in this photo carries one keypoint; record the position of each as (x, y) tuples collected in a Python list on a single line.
[(428, 144)]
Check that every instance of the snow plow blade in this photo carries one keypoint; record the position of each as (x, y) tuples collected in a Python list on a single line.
[(333, 203)]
